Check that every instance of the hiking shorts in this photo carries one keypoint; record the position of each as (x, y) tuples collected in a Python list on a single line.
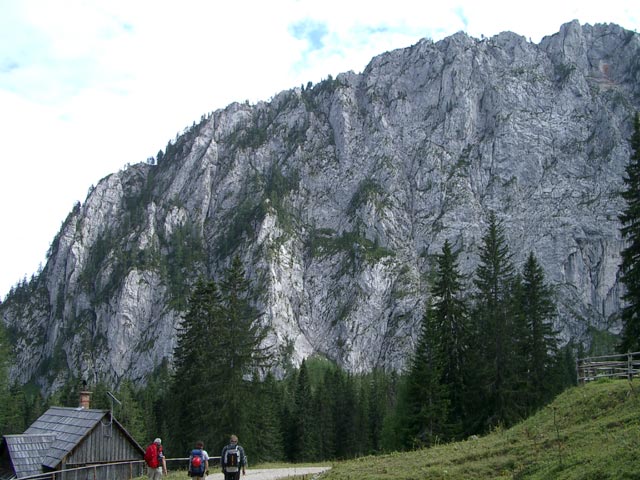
[(155, 473)]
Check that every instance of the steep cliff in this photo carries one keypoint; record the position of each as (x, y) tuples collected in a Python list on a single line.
[(337, 197)]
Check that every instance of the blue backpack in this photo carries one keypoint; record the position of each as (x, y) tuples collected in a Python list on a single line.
[(196, 463)]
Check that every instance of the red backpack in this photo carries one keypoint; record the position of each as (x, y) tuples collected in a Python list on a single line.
[(151, 455)]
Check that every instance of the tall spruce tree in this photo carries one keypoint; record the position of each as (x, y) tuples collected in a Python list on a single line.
[(540, 342), (497, 399), (304, 439), (381, 387), (344, 415), (423, 403), (326, 397), (264, 436), (387, 396), (630, 267), (192, 390), (520, 374), (450, 314), (218, 356), (237, 349), (362, 418)]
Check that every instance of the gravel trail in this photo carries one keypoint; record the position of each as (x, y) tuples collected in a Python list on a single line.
[(272, 473)]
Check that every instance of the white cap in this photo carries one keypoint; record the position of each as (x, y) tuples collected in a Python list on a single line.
[(158, 441)]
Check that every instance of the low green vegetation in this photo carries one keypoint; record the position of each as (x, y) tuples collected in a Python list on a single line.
[(326, 242), (588, 432)]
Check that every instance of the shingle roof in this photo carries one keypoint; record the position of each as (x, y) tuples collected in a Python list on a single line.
[(68, 426), (27, 451)]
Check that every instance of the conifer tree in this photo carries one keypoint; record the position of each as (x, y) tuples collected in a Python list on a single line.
[(264, 436), (344, 414), (423, 403), (68, 395), (192, 388), (15, 411), (219, 355), (99, 397), (522, 390), (326, 395), (630, 267), (130, 413), (304, 442), (540, 341), (381, 404), (497, 399), (449, 313), (362, 418), (35, 406), (154, 403), (564, 372), (237, 350)]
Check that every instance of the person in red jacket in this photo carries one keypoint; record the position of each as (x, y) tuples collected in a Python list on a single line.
[(156, 463)]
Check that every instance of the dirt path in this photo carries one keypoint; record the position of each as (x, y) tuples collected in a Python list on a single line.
[(272, 473)]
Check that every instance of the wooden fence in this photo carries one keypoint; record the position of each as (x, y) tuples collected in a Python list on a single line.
[(625, 365), (115, 470)]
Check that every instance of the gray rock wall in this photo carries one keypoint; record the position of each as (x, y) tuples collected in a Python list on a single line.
[(338, 197)]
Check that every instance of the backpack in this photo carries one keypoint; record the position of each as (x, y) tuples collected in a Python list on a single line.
[(196, 463), (152, 455), (232, 458)]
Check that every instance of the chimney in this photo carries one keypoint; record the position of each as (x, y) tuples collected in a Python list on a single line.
[(85, 399)]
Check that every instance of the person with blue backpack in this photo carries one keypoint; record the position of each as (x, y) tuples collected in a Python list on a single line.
[(233, 459), (198, 462)]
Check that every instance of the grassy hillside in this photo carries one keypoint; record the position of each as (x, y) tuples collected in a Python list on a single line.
[(589, 432)]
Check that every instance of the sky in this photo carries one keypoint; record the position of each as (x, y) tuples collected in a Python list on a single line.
[(89, 86)]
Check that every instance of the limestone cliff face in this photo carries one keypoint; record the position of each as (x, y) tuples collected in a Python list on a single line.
[(337, 197)]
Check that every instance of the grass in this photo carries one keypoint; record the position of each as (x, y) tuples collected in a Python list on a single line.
[(588, 432)]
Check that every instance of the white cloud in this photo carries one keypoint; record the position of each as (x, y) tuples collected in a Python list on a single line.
[(87, 86)]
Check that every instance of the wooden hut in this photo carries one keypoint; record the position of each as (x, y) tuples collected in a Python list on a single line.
[(64, 438)]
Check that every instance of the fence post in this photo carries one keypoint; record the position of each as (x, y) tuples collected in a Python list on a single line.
[(579, 372), (629, 366)]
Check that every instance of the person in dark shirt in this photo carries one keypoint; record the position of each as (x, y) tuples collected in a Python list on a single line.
[(233, 460)]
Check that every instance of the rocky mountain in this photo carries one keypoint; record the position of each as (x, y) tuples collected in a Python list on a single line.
[(337, 197)]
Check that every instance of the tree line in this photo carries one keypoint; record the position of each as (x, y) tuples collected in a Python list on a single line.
[(482, 360), (487, 356), (485, 359)]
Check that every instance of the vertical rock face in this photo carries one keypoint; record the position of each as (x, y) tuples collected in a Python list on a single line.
[(337, 197)]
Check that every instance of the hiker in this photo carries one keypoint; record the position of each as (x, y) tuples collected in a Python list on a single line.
[(232, 459), (156, 463), (198, 461)]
